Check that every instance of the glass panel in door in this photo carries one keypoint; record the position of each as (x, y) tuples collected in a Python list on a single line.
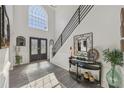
[(34, 46), (43, 46)]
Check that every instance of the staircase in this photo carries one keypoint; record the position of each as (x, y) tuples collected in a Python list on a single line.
[(76, 19)]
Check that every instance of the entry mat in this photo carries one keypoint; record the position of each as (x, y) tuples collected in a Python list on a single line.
[(48, 81)]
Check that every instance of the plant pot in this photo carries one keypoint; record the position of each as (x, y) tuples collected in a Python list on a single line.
[(113, 78), (18, 59)]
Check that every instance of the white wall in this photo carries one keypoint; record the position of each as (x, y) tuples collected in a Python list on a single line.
[(104, 22), (20, 17), (62, 16)]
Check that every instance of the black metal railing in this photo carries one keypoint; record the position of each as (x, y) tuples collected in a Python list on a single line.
[(78, 16)]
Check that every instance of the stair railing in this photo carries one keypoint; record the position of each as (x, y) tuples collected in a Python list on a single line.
[(75, 20)]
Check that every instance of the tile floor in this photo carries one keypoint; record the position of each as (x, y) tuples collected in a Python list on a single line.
[(24, 74)]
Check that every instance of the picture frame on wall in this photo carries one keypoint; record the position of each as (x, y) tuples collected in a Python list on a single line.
[(122, 22), (4, 28)]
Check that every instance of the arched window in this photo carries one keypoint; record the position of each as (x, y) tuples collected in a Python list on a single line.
[(38, 18)]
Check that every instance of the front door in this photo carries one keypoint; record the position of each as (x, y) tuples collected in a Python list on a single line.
[(38, 49)]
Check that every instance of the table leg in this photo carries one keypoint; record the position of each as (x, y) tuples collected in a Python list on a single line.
[(77, 71), (69, 66), (100, 75)]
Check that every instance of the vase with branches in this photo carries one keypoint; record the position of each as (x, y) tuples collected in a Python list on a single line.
[(115, 57)]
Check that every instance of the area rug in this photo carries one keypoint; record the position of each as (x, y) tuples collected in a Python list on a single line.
[(48, 81)]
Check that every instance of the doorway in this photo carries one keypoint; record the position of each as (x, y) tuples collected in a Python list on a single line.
[(38, 49)]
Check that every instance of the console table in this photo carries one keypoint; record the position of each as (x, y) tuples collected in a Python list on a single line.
[(85, 64)]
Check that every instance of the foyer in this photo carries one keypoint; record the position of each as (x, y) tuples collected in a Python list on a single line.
[(67, 42)]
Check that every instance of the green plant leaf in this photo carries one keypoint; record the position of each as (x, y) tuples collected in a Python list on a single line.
[(114, 56)]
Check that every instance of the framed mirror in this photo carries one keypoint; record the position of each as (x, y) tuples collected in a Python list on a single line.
[(20, 41), (82, 44)]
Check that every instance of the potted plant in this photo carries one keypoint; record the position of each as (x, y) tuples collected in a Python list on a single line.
[(114, 56), (18, 59)]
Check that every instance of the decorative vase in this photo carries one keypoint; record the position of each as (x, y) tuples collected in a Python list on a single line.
[(114, 78)]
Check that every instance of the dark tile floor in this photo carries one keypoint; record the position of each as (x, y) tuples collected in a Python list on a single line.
[(23, 74)]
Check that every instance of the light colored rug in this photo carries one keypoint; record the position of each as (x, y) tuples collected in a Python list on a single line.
[(48, 81)]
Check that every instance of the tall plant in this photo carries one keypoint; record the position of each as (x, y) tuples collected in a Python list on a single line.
[(114, 56)]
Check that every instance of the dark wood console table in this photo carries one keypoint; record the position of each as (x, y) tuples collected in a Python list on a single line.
[(85, 64)]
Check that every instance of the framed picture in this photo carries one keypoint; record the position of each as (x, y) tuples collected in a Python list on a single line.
[(4, 28), (122, 22)]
